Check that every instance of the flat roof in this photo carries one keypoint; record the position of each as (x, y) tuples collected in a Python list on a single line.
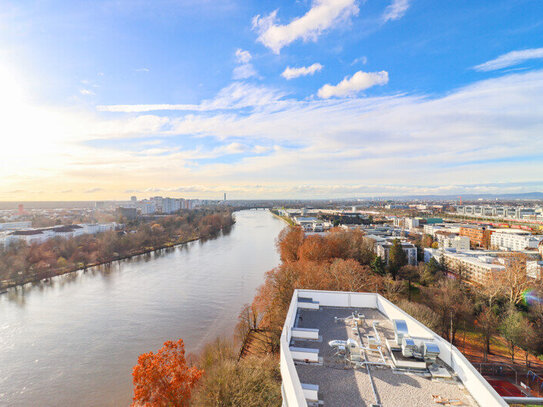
[(340, 385)]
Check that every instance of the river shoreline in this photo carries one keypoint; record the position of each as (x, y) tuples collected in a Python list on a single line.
[(5, 289)]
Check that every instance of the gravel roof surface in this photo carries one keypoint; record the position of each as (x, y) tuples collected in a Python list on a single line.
[(341, 385)]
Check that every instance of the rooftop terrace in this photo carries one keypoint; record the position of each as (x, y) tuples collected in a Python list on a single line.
[(340, 349), (341, 385)]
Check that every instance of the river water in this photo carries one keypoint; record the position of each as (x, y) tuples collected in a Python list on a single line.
[(74, 340)]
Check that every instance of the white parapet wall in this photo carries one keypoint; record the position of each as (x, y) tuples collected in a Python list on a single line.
[(293, 391)]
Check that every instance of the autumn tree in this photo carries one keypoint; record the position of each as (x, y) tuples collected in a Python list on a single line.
[(427, 241), (488, 322), (514, 281), (164, 378), (253, 381), (289, 241), (396, 258), (421, 313), (451, 303), (314, 248)]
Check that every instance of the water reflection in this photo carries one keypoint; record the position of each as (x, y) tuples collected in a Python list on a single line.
[(73, 339)]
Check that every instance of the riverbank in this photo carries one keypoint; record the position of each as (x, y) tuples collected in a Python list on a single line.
[(64, 340), (288, 221), (45, 275)]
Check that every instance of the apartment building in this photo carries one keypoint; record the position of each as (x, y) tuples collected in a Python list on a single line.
[(516, 240), (478, 236), (454, 242), (472, 266), (382, 248)]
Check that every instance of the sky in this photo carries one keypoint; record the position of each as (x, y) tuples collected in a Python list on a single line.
[(104, 99)]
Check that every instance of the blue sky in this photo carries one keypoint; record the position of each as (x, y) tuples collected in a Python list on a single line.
[(297, 99)]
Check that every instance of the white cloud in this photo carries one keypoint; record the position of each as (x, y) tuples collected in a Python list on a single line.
[(143, 70), (86, 92), (242, 56), (356, 83), (323, 15), (510, 59), (245, 69), (396, 10), (291, 73)]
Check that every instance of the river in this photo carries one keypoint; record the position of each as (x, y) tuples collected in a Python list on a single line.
[(74, 340)]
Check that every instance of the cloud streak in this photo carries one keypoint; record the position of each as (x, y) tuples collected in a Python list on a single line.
[(510, 59), (396, 10)]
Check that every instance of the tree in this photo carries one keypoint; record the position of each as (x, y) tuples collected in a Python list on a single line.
[(427, 241), (289, 241), (378, 266), (253, 381), (164, 379), (514, 281), (511, 329), (430, 272), (488, 323), (409, 273), (421, 313), (452, 305), (396, 258)]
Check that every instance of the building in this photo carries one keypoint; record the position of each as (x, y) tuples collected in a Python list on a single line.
[(478, 236), (508, 212), (455, 242), (472, 266), (541, 249), (534, 269), (15, 225), (128, 213), (40, 235), (514, 240), (383, 249), (411, 223), (171, 205), (359, 349)]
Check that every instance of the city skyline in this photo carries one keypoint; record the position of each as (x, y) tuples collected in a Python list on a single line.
[(305, 99)]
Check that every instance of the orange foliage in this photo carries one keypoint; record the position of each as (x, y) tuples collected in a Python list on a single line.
[(288, 243), (335, 261), (164, 379), (314, 248)]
